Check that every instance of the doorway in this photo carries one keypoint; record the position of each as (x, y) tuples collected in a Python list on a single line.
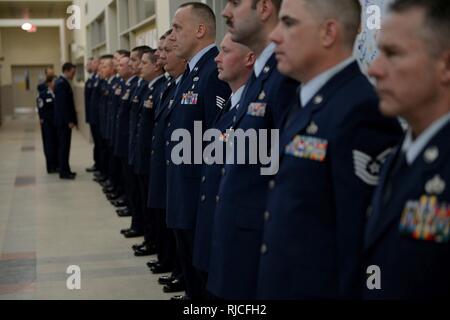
[(25, 80)]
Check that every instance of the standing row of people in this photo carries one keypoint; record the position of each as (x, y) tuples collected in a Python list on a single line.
[(351, 192)]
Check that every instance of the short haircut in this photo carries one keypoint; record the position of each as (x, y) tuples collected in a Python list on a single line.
[(152, 56), (123, 52), (204, 13), (436, 22), (276, 3), (68, 66), (106, 56), (347, 12), (47, 69), (49, 79), (166, 34), (141, 50)]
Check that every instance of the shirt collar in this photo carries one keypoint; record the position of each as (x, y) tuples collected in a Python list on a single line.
[(111, 79), (236, 97), (309, 89), (129, 80), (261, 61), (414, 148), (179, 79), (151, 83), (193, 62), (49, 91)]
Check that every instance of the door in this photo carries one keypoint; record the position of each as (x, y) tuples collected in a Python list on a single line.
[(25, 82)]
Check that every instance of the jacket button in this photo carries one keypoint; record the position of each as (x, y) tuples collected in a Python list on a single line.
[(217, 199), (153, 138), (223, 171), (153, 151), (203, 179), (168, 125), (167, 162), (167, 143), (203, 198), (156, 123), (263, 248), (271, 184), (267, 215)]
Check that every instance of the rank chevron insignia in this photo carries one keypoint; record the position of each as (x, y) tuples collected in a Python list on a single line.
[(220, 102), (368, 168)]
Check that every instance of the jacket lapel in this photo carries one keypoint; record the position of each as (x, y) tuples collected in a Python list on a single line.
[(251, 93), (302, 118), (186, 83)]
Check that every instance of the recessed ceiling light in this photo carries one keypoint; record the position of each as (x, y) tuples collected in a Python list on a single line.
[(27, 26)]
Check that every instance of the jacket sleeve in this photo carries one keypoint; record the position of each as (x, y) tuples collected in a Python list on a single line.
[(362, 142), (217, 93)]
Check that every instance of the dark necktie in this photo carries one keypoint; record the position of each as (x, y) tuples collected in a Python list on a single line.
[(249, 83), (183, 78), (295, 107), (399, 164)]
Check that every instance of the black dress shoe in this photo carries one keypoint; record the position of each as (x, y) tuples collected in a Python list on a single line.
[(68, 176), (91, 169), (175, 286), (98, 175), (146, 251), (124, 210), (124, 213), (109, 189), (159, 268), (118, 203), (113, 196), (138, 246), (165, 279), (123, 231), (152, 263), (180, 297), (133, 233)]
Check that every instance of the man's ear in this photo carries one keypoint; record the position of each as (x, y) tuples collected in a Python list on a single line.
[(329, 33), (250, 59), (444, 67), (265, 9), (201, 31)]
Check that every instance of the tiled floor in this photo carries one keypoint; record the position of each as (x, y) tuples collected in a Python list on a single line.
[(47, 225)]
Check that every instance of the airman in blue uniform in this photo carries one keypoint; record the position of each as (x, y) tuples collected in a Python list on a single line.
[(199, 97), (65, 119), (45, 105), (153, 73), (166, 244), (333, 143), (241, 197), (235, 64), (407, 239)]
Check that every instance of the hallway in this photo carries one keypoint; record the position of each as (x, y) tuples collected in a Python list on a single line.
[(47, 224)]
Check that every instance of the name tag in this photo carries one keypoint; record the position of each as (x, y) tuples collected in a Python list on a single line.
[(49, 100), (189, 98), (307, 148), (257, 109), (426, 219)]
